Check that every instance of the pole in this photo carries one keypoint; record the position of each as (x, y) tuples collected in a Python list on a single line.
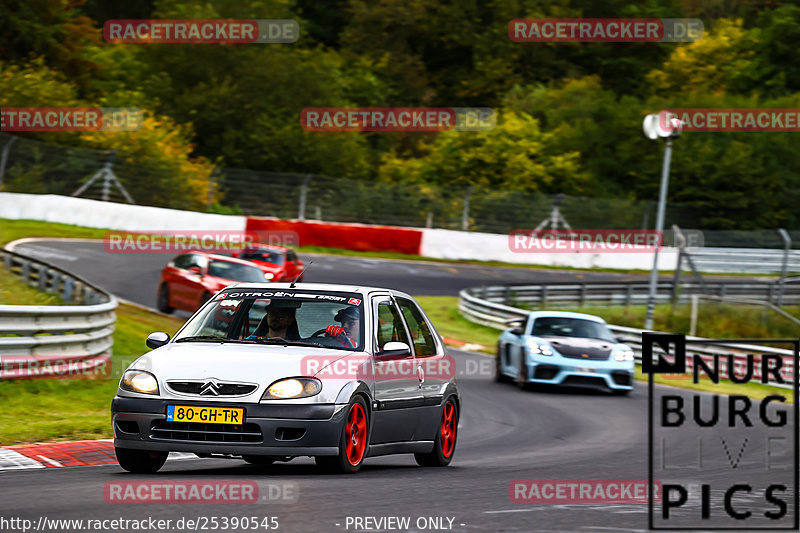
[(301, 209), (693, 316), (4, 158), (465, 213), (210, 195), (787, 244), (662, 207)]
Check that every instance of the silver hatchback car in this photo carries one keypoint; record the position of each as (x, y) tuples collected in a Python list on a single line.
[(269, 372)]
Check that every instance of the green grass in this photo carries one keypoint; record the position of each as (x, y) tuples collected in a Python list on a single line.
[(13, 291), (11, 230), (47, 410), (715, 320), (443, 311)]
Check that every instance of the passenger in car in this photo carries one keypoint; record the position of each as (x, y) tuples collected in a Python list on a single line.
[(350, 330), (279, 322)]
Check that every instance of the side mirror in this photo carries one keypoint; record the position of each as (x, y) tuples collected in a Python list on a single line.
[(516, 331), (196, 270), (395, 349), (157, 340)]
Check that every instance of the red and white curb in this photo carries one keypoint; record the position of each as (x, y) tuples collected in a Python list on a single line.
[(461, 345), (64, 454)]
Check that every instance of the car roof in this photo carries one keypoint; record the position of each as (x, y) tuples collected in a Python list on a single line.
[(565, 314), (270, 247), (217, 257), (330, 287)]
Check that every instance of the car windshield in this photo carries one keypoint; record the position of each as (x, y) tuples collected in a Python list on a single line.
[(571, 327), (235, 271), (263, 255), (301, 318)]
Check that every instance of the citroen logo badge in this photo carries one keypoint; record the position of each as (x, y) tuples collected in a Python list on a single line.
[(210, 388)]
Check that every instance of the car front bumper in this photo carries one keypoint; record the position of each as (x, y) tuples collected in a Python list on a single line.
[(268, 429), (577, 373)]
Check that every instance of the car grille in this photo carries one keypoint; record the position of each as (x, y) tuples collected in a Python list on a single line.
[(622, 378), (545, 372), (202, 388), (587, 354), (202, 432), (585, 381)]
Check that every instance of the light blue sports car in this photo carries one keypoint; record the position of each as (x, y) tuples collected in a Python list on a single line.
[(561, 348)]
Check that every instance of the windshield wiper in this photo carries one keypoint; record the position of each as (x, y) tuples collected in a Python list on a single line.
[(204, 338), (284, 342)]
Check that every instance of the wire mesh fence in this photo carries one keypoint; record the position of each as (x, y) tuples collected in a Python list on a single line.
[(32, 166)]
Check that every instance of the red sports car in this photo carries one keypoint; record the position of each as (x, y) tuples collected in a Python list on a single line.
[(281, 262), (191, 279)]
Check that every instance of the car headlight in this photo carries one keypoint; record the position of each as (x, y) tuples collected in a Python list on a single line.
[(139, 381), (268, 275), (539, 348), (623, 355), (292, 388)]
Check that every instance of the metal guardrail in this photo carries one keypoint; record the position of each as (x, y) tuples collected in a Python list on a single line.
[(749, 260), (475, 308), (38, 340), (631, 292)]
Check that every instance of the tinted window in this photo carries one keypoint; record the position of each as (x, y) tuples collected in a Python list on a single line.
[(235, 271), (183, 261), (390, 325), (418, 327), (267, 257), (571, 327)]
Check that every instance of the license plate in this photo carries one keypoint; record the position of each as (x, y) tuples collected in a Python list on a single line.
[(206, 415), (586, 369)]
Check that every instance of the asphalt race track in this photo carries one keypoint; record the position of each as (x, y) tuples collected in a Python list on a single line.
[(505, 434), (135, 277)]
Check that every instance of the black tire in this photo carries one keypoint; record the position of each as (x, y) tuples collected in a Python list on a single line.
[(354, 438), (498, 376), (259, 460), (444, 447), (140, 461), (162, 299), (521, 383)]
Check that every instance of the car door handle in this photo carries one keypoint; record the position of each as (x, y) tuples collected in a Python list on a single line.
[(421, 375)]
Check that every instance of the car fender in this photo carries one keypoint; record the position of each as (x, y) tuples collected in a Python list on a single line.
[(351, 389)]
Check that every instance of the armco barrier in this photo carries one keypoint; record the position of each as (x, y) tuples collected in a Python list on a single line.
[(40, 340), (349, 236), (568, 294), (475, 308)]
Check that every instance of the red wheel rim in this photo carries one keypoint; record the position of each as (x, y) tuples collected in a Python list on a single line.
[(356, 434), (448, 430)]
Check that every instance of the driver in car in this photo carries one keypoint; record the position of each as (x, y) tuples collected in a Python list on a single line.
[(348, 333), (278, 323)]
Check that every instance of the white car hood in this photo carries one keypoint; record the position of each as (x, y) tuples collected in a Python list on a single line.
[(230, 362)]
